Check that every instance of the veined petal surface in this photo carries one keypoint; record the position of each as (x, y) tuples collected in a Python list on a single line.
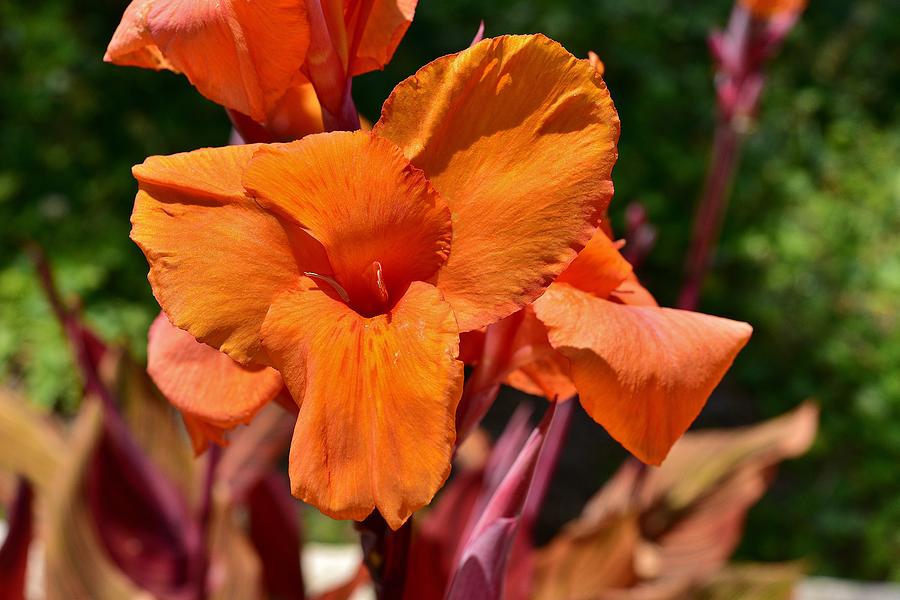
[(357, 195), (379, 395), (217, 259), (519, 138)]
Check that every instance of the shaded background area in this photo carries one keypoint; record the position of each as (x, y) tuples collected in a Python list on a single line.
[(810, 253)]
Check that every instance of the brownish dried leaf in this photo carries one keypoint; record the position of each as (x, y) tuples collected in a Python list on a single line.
[(752, 582), (32, 446), (686, 517)]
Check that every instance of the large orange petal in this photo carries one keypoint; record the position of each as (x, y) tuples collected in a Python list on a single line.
[(599, 268), (376, 423), (642, 372), (385, 26), (238, 53), (519, 137), (217, 260), (364, 202), (204, 384)]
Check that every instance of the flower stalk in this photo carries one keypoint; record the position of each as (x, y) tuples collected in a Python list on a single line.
[(741, 53)]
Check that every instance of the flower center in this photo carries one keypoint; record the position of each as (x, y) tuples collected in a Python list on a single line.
[(367, 293)]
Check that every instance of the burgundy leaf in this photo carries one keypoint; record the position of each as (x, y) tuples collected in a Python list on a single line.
[(275, 533), (483, 563), (14, 551)]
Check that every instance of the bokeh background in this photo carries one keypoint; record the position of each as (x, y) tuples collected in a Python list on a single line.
[(810, 251)]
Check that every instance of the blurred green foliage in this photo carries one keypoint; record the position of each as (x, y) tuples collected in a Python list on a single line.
[(810, 252)]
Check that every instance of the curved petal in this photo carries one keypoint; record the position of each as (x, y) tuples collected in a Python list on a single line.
[(204, 384), (519, 137), (132, 45), (240, 54), (599, 268), (376, 423), (357, 195), (217, 260), (385, 26), (642, 372)]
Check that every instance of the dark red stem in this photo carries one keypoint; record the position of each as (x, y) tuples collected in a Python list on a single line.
[(14, 550), (385, 554), (710, 212), (740, 52)]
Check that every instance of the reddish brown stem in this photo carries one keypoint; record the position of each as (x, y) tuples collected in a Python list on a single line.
[(710, 212), (385, 554), (740, 53), (77, 336)]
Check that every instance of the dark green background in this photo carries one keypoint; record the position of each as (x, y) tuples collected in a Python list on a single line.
[(810, 251)]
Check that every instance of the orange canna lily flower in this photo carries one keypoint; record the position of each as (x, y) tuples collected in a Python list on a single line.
[(765, 9), (266, 61), (350, 263), (641, 371)]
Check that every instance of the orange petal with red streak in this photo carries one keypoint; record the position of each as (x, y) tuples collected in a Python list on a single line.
[(209, 389), (376, 423), (357, 195), (644, 373), (217, 259), (519, 138)]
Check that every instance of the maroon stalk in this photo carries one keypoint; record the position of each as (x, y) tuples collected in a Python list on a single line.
[(740, 53), (710, 212), (385, 554), (14, 549)]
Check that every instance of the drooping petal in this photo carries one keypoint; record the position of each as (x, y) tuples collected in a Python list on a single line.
[(204, 384), (599, 268), (217, 259), (376, 423), (642, 372), (519, 138), (357, 195), (237, 53), (385, 26)]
